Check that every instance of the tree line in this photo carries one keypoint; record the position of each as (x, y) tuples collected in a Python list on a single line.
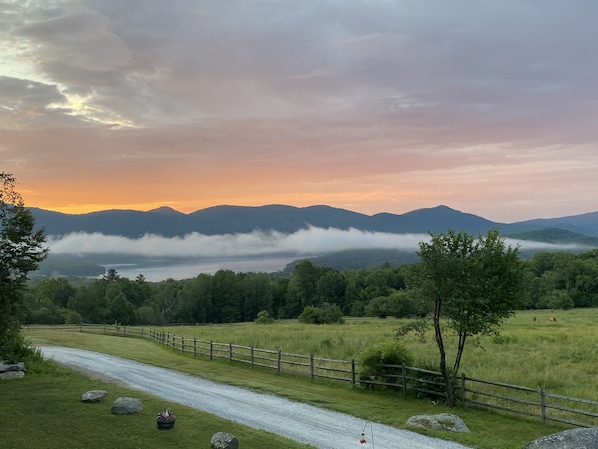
[(554, 280)]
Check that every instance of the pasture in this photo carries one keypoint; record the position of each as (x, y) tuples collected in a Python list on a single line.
[(561, 356)]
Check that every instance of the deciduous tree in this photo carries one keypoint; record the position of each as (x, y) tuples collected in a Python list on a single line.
[(474, 284), (21, 251)]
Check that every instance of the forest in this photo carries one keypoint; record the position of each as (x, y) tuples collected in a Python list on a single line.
[(555, 280)]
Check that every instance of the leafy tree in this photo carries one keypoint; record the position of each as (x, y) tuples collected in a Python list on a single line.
[(57, 289), (301, 291), (474, 286), (21, 251)]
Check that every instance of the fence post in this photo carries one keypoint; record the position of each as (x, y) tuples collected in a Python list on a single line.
[(194, 347), (543, 401), (211, 349), (404, 378), (182, 344), (173, 341), (252, 361), (311, 367), (462, 390), (353, 372), (230, 352), (279, 361)]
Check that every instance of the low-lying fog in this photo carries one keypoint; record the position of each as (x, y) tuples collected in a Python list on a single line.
[(257, 251)]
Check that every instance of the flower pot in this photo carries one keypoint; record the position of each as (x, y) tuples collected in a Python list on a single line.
[(165, 423)]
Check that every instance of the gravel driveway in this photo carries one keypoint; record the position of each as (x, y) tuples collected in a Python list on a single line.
[(317, 427)]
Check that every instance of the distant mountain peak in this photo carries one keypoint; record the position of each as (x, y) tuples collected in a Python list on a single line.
[(166, 210)]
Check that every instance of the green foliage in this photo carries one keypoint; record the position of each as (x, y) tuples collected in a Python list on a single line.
[(474, 285), (73, 317), (21, 251), (264, 318), (374, 364), (327, 314), (418, 327)]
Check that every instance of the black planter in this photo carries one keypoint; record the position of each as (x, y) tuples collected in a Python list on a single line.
[(165, 423)]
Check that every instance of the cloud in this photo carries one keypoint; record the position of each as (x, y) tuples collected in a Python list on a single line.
[(368, 104), (308, 242), (312, 241)]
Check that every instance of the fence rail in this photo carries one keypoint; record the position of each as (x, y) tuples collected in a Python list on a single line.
[(533, 402)]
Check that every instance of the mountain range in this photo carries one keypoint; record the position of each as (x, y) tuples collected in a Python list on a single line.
[(220, 220)]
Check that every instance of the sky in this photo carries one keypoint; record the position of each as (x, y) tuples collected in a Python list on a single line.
[(489, 107)]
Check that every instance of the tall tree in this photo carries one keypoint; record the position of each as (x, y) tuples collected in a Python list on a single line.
[(21, 251), (474, 284)]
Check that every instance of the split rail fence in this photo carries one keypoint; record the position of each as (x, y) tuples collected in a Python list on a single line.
[(472, 392)]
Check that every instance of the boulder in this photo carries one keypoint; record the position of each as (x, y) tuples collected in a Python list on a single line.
[(7, 375), (126, 405), (94, 396), (223, 440), (5, 367), (583, 438), (442, 421)]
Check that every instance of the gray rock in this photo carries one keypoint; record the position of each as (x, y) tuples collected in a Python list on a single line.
[(94, 396), (126, 405), (8, 375), (223, 440), (442, 421), (5, 367), (583, 438)]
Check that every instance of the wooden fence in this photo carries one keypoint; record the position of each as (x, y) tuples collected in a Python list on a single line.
[(472, 392)]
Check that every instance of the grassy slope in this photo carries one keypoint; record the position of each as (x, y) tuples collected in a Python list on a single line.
[(489, 430)]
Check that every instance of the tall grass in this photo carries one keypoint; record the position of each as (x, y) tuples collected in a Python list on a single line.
[(560, 356)]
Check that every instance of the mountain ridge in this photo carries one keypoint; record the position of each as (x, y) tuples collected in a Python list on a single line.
[(226, 219)]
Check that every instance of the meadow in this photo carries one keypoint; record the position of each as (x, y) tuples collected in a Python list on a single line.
[(561, 356)]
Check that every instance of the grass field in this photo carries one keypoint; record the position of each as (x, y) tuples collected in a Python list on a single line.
[(526, 353), (560, 356)]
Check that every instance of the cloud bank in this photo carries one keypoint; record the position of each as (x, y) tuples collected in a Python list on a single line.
[(309, 242)]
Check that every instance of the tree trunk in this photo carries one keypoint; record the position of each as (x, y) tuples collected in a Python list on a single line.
[(450, 393)]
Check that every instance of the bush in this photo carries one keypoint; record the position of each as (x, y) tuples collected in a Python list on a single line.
[(264, 317), (73, 317), (327, 314), (381, 363)]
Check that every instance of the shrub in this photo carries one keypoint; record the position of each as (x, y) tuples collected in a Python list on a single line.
[(264, 317), (327, 314), (381, 363)]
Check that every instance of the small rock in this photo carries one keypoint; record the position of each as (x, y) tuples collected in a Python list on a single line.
[(223, 440), (583, 438), (126, 405), (8, 375), (94, 396), (442, 421)]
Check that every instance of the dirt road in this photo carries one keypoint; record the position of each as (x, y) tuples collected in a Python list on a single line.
[(317, 427)]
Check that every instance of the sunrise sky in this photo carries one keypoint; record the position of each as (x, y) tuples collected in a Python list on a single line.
[(489, 107)]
